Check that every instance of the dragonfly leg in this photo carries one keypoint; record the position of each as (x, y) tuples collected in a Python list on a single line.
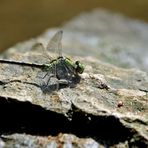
[(45, 75), (49, 78), (57, 82), (63, 81), (42, 77)]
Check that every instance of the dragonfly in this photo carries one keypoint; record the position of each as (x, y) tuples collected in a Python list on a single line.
[(62, 68)]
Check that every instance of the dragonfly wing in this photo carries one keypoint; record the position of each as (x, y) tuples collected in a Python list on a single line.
[(55, 44), (37, 47), (40, 48)]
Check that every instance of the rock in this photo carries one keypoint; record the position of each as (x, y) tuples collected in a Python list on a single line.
[(110, 37), (109, 103), (61, 140)]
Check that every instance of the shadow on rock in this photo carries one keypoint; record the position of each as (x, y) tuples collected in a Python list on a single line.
[(24, 117), (48, 89)]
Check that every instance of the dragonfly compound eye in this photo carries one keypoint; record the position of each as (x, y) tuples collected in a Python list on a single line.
[(79, 67)]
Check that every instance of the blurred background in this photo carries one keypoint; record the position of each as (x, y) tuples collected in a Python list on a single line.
[(21, 20)]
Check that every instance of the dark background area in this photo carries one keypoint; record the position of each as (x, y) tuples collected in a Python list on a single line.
[(20, 20)]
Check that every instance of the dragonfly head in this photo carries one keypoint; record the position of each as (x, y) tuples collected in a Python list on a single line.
[(79, 67)]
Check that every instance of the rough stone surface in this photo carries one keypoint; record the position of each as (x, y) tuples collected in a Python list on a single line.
[(62, 140), (109, 104)]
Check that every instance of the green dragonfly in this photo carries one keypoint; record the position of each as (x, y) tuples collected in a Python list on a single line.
[(61, 68)]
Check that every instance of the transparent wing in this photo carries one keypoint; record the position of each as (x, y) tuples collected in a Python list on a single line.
[(55, 44), (40, 48), (37, 47)]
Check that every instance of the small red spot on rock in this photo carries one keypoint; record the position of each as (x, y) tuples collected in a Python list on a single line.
[(120, 104)]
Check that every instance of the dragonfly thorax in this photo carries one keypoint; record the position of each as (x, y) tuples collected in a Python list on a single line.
[(63, 68)]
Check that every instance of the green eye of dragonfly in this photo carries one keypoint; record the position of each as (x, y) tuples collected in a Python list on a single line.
[(79, 67)]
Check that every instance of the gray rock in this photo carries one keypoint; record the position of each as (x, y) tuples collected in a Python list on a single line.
[(109, 104), (61, 140)]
